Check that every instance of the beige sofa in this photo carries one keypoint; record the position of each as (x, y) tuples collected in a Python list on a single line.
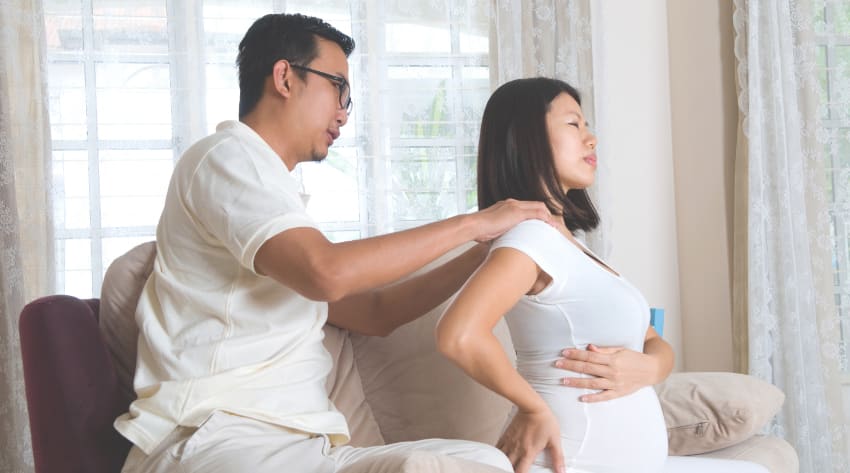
[(399, 388)]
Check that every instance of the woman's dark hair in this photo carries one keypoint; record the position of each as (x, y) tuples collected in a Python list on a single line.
[(279, 36), (515, 156)]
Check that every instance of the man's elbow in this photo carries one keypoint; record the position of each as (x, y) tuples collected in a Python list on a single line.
[(326, 289), (324, 282)]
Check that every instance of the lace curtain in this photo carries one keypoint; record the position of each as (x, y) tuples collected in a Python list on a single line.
[(550, 38), (787, 304), (25, 227)]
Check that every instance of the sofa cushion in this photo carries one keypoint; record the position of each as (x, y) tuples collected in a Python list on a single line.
[(775, 454), (416, 393), (346, 390), (418, 461), (711, 411), (119, 294)]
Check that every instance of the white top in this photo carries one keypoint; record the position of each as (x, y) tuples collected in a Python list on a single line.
[(214, 334), (585, 303)]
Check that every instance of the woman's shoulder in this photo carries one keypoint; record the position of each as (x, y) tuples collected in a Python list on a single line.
[(531, 229), (534, 237), (538, 240)]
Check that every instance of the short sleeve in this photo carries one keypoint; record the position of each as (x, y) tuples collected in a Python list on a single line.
[(537, 239), (243, 197)]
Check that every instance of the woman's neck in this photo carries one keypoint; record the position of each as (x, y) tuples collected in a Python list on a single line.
[(558, 222)]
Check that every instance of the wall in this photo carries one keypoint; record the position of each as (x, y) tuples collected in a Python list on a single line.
[(704, 111), (632, 95), (665, 105)]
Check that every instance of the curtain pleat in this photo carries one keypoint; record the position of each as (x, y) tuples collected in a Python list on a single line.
[(551, 38), (784, 299), (26, 248)]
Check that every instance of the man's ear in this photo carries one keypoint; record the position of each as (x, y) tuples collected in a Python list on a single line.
[(282, 77)]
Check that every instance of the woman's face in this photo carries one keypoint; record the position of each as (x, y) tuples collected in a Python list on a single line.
[(572, 143)]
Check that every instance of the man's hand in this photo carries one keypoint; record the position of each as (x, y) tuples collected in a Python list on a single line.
[(616, 371), (504, 215), (527, 435)]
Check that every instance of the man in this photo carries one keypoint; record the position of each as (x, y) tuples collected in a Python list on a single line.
[(231, 367)]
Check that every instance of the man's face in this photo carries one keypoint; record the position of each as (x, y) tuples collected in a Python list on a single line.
[(320, 114)]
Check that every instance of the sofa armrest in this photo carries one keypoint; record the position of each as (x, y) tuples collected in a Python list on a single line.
[(72, 392)]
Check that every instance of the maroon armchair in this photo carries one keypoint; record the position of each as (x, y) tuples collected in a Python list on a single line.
[(72, 390)]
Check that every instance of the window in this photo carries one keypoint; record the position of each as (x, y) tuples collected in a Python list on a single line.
[(132, 84), (833, 64)]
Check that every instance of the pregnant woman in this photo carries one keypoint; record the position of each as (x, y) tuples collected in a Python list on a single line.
[(554, 293)]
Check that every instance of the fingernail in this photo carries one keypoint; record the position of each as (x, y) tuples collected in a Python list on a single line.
[(562, 469), (566, 382), (565, 353), (558, 364)]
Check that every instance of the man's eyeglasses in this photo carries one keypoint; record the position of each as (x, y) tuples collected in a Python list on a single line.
[(345, 102)]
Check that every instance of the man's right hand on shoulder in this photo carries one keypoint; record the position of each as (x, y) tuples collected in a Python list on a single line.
[(504, 215)]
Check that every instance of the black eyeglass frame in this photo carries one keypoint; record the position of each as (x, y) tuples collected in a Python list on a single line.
[(340, 82)]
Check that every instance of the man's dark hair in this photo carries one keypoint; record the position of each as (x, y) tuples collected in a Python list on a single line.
[(280, 36), (515, 155)]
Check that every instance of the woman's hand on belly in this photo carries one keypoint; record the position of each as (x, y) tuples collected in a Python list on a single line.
[(615, 371), (527, 435)]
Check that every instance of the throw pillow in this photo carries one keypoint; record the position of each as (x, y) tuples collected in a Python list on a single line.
[(709, 411)]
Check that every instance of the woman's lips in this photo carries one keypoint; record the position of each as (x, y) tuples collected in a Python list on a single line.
[(591, 160)]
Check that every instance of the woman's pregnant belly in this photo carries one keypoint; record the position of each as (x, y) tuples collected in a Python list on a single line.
[(622, 435)]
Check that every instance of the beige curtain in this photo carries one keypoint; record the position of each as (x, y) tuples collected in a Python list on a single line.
[(785, 300), (25, 224), (550, 38)]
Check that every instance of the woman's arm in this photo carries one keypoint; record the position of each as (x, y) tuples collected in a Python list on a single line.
[(465, 335), (618, 371)]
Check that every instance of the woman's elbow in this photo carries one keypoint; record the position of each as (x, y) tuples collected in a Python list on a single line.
[(453, 343)]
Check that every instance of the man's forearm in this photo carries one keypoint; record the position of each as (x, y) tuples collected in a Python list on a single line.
[(410, 299), (381, 311)]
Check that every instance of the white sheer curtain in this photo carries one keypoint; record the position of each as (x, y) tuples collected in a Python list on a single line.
[(550, 38), (25, 227), (794, 333)]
